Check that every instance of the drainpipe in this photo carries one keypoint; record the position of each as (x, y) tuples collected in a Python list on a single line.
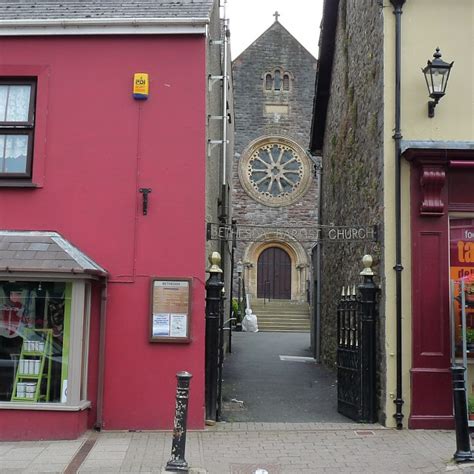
[(100, 383), (225, 200), (317, 329), (397, 10)]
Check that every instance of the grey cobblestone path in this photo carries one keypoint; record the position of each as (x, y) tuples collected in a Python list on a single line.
[(242, 448)]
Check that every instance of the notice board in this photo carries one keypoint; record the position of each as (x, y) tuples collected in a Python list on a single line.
[(170, 318)]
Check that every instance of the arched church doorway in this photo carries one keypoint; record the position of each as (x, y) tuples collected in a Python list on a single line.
[(274, 274)]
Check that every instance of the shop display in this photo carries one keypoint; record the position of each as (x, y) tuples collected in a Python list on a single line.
[(33, 375)]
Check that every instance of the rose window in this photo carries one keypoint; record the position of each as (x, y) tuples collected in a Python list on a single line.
[(275, 171)]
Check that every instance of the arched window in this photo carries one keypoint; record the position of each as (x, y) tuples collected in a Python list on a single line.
[(268, 82), (277, 84), (276, 80)]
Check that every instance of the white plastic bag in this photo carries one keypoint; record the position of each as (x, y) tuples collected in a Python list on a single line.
[(249, 323)]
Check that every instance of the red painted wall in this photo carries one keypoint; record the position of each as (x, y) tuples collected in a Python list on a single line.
[(95, 146)]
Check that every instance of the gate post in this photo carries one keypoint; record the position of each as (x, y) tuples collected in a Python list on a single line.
[(368, 291), (214, 287)]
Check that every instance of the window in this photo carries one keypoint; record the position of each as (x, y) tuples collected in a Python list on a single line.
[(277, 80), (17, 103), (268, 82), (43, 336), (277, 83), (275, 171)]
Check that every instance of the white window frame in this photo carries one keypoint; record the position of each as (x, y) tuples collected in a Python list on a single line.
[(78, 350)]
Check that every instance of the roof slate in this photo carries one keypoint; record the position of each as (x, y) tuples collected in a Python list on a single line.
[(97, 9), (23, 251)]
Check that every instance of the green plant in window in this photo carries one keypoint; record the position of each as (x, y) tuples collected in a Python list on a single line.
[(470, 335), (470, 404)]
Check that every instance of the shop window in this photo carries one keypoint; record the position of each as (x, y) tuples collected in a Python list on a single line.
[(17, 103), (42, 341)]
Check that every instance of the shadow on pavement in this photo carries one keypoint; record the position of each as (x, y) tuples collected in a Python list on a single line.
[(260, 387)]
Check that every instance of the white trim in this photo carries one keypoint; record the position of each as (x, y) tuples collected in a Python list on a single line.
[(44, 406), (104, 26), (86, 338), (76, 335)]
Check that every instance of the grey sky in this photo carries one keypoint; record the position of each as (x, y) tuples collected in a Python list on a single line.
[(248, 19)]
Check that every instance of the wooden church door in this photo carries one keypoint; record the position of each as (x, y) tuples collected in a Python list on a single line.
[(274, 274)]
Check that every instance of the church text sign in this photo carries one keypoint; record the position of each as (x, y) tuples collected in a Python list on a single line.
[(318, 233)]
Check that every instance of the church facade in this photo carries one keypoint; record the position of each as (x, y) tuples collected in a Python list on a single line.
[(274, 184)]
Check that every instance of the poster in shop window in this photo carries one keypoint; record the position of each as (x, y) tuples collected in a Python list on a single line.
[(461, 257), (170, 309)]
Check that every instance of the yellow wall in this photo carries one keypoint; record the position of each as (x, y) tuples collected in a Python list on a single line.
[(426, 24), (449, 25)]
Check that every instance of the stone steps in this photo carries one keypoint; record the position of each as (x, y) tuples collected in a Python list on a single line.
[(282, 316)]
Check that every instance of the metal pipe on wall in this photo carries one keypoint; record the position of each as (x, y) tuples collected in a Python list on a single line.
[(317, 323), (397, 136), (100, 383)]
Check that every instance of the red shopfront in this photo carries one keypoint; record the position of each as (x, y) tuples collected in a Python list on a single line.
[(442, 217)]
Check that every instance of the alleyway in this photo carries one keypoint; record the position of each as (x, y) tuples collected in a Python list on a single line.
[(275, 390)]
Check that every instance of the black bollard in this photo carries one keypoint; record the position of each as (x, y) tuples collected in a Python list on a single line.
[(178, 463), (463, 442)]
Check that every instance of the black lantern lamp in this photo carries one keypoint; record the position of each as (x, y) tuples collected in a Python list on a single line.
[(436, 75)]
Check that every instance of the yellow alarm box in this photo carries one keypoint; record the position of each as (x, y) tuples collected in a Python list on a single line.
[(140, 85)]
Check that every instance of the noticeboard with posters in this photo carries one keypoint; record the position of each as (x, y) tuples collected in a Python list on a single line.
[(170, 318)]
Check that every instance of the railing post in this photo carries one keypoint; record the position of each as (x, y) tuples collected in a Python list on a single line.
[(178, 463), (463, 442), (368, 291), (214, 287)]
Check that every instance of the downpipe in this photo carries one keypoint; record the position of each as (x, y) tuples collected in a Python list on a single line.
[(397, 136)]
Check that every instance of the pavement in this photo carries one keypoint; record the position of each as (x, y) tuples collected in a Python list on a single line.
[(287, 424), (243, 448)]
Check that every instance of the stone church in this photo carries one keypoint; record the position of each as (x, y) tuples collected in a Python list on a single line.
[(275, 191)]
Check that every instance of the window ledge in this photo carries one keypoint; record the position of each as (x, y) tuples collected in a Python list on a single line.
[(44, 406), (17, 184)]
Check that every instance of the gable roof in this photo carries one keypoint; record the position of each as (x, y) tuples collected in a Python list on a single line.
[(41, 15), (276, 26)]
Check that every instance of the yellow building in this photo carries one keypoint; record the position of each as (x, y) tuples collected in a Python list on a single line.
[(390, 159)]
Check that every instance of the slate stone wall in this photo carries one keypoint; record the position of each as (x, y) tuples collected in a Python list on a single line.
[(352, 180), (276, 47)]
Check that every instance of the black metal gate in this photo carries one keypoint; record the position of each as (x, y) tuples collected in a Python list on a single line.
[(356, 352)]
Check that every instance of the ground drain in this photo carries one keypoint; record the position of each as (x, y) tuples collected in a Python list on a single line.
[(81, 455), (364, 433)]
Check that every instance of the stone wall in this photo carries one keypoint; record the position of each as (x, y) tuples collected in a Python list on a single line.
[(214, 155), (352, 177), (259, 113)]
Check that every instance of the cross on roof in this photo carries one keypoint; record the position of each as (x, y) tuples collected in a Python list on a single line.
[(276, 15)]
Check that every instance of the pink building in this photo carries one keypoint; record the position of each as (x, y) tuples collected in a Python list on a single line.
[(83, 335)]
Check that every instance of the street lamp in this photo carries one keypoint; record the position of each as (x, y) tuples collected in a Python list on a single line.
[(436, 76)]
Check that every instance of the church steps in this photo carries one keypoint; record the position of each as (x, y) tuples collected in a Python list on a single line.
[(282, 315)]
